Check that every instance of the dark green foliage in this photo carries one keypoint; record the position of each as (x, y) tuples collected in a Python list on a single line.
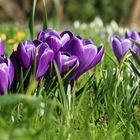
[(118, 10)]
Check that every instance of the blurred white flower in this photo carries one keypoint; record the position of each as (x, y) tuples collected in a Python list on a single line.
[(76, 24), (98, 21), (84, 26)]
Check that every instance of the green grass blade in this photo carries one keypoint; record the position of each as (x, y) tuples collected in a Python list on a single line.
[(61, 85), (31, 20), (45, 18), (136, 71)]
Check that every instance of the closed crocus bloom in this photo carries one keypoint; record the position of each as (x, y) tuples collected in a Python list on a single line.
[(65, 62), (1, 47), (6, 74), (44, 57), (120, 47), (136, 37), (25, 53)]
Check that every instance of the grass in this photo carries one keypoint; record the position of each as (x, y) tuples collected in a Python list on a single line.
[(104, 104)]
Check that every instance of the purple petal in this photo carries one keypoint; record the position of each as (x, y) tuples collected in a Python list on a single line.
[(70, 34), (66, 36), (68, 62), (24, 59), (90, 52), (43, 62), (126, 44), (37, 42), (3, 79), (87, 41), (57, 58), (1, 47), (99, 56), (11, 71), (41, 48), (117, 48), (54, 43), (42, 35), (76, 48)]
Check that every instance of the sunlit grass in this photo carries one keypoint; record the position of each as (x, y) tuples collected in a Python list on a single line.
[(104, 103)]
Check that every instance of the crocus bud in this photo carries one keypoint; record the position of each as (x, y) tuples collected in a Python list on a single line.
[(1, 47), (6, 74), (25, 53)]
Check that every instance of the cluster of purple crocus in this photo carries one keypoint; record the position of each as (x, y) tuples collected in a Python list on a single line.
[(69, 51), (122, 45)]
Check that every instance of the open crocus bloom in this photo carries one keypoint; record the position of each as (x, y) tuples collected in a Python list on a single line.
[(6, 74)]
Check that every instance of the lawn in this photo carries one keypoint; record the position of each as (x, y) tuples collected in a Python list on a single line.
[(103, 104)]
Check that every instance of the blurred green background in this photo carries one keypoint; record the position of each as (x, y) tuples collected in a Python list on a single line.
[(122, 11)]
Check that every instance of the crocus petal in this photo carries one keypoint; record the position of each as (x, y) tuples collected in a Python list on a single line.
[(11, 71), (70, 34), (3, 79), (117, 48), (76, 48), (66, 36), (54, 43), (37, 42), (57, 58), (90, 52), (126, 44), (68, 62), (24, 58), (87, 41), (42, 35), (43, 62), (41, 48), (1, 47), (99, 56)]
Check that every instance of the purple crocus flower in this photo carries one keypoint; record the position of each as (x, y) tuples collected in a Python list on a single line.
[(80, 53), (71, 51), (44, 57), (6, 74), (120, 47), (88, 54), (25, 53), (136, 37), (1, 47)]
